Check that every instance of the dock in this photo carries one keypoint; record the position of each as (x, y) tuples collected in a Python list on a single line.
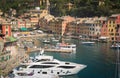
[(58, 50), (49, 50)]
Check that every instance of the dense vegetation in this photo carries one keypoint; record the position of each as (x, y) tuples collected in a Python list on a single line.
[(80, 8), (19, 5), (85, 8)]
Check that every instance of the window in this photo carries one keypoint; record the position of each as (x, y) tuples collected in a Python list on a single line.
[(57, 72), (6, 32), (50, 63), (6, 27), (44, 72), (111, 30), (41, 66), (112, 38), (66, 67), (67, 63)]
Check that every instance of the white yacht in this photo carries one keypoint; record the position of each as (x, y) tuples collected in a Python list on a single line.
[(115, 46), (47, 65), (54, 67), (65, 46)]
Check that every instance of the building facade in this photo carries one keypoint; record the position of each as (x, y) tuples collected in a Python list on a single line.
[(6, 29)]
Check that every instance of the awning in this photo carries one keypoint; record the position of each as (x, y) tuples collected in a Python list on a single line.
[(11, 39), (103, 37), (23, 29)]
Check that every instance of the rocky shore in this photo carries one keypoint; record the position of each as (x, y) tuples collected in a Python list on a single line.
[(18, 53)]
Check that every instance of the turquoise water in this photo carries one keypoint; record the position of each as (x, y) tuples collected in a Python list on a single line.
[(99, 58)]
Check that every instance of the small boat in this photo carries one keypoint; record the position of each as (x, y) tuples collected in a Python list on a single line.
[(65, 46), (115, 46), (55, 40), (88, 43), (46, 41)]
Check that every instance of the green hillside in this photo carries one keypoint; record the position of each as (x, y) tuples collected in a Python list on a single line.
[(80, 8)]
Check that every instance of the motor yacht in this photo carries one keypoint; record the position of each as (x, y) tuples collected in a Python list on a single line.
[(54, 67), (65, 46), (115, 46), (45, 64)]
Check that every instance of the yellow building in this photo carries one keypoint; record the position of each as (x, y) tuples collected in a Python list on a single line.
[(111, 24)]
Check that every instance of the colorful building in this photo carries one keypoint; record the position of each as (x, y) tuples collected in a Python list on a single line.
[(60, 24), (118, 28), (5, 29), (113, 27)]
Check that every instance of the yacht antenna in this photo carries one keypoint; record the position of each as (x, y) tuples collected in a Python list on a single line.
[(41, 51)]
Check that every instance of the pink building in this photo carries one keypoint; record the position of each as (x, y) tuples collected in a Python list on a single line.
[(104, 30), (118, 27), (21, 23)]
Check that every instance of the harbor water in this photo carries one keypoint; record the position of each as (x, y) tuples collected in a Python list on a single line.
[(99, 58)]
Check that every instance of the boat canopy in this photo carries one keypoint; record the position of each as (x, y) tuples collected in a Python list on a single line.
[(103, 37), (23, 29)]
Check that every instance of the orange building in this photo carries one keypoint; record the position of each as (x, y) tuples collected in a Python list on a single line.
[(6, 29), (59, 25)]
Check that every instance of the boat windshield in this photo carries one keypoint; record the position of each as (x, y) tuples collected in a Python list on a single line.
[(41, 66), (21, 66), (50, 63), (66, 67), (43, 60)]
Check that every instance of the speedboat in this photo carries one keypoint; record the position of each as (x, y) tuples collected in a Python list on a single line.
[(65, 46), (88, 43), (115, 46), (45, 64), (46, 41)]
